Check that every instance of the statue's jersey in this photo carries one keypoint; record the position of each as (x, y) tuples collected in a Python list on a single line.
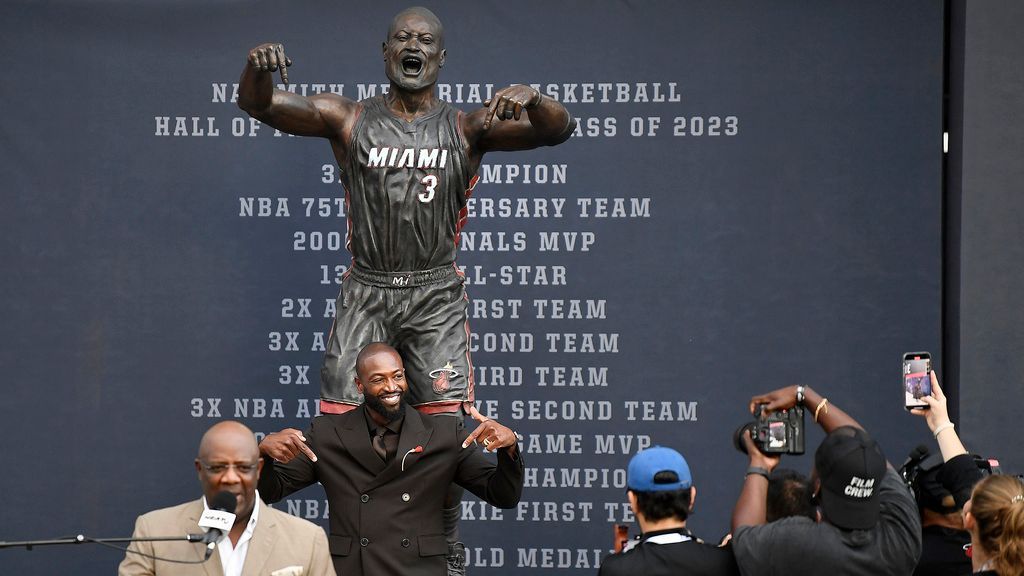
[(406, 185)]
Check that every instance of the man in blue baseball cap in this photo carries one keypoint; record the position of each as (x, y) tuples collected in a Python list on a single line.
[(661, 494)]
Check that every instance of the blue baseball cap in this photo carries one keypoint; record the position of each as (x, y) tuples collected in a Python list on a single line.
[(648, 463)]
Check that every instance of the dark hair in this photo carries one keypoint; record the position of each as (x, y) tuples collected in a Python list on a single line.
[(789, 494), (663, 504), (997, 505)]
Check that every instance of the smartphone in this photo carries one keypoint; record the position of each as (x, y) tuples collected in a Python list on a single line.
[(917, 379), (621, 537)]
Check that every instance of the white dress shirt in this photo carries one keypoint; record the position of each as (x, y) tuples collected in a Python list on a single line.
[(232, 558)]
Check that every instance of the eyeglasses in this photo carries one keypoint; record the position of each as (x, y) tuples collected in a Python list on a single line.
[(244, 468)]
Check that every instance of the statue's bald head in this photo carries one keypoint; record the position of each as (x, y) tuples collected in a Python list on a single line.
[(425, 14)]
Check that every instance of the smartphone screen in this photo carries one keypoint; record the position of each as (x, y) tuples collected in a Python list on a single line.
[(917, 381)]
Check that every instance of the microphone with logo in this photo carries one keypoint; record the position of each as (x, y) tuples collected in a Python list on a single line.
[(217, 519)]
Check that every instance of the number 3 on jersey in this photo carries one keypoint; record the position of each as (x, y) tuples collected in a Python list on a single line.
[(429, 182)]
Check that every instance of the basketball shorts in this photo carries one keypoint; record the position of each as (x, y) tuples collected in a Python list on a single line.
[(421, 314)]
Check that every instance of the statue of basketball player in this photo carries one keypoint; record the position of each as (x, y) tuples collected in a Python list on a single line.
[(408, 162)]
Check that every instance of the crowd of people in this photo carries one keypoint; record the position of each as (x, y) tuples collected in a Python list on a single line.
[(386, 468), (855, 514)]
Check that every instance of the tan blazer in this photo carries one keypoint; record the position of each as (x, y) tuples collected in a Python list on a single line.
[(280, 541)]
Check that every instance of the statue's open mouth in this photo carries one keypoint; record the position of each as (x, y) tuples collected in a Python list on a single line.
[(411, 65)]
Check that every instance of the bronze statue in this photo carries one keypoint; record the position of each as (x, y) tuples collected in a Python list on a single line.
[(408, 162)]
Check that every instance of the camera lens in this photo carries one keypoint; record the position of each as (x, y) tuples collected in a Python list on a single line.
[(737, 436)]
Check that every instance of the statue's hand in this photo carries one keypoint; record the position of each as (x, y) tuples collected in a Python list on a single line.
[(509, 103), (270, 57)]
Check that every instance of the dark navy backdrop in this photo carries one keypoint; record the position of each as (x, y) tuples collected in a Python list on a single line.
[(774, 219)]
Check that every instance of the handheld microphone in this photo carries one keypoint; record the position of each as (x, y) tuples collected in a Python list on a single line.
[(415, 450), (218, 518), (920, 452)]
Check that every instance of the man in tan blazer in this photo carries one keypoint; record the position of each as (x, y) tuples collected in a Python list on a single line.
[(261, 540)]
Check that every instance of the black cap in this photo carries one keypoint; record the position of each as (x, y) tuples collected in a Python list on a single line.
[(930, 492), (850, 466)]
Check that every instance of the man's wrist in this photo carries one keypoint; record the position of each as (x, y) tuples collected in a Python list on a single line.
[(753, 470), (763, 463), (811, 398), (512, 451)]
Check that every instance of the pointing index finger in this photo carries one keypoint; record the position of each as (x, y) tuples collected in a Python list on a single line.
[(474, 435), (301, 442), (492, 107), (282, 63), (476, 415)]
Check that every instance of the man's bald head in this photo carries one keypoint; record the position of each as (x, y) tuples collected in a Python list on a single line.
[(370, 350), (229, 432)]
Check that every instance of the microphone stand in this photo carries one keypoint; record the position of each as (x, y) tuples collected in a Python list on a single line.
[(81, 539)]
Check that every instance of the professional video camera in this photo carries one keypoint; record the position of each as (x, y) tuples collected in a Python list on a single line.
[(780, 432), (920, 474)]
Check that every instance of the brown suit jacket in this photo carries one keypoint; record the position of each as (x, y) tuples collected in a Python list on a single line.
[(386, 520), (280, 540)]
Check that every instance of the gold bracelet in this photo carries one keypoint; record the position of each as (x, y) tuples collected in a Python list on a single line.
[(822, 404)]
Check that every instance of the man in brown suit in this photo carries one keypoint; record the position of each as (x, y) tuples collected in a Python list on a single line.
[(261, 541)]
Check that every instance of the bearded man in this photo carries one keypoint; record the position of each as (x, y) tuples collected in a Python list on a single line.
[(386, 469)]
